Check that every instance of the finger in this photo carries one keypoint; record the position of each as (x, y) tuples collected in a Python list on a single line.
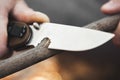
[(3, 32), (116, 40), (23, 13), (111, 7)]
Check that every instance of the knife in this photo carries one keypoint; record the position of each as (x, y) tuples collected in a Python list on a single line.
[(62, 37), (41, 52)]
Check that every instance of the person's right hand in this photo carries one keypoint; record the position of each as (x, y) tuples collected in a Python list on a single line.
[(21, 12), (113, 7)]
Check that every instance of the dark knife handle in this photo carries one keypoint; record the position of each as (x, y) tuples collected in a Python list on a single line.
[(19, 34)]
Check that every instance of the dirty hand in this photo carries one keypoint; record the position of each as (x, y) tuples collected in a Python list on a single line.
[(113, 7), (21, 12)]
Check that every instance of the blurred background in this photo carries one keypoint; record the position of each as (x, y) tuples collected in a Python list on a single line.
[(73, 12), (102, 63)]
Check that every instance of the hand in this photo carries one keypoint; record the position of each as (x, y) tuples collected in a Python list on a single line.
[(113, 7), (21, 12)]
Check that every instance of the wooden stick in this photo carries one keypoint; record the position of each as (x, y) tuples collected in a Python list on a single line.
[(41, 52), (106, 24), (26, 59)]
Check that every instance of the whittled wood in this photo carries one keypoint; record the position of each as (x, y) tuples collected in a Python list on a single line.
[(41, 52)]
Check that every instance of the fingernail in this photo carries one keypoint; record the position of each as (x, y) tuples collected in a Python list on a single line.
[(42, 17), (111, 5)]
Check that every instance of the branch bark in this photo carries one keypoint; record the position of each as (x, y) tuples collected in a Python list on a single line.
[(41, 52), (26, 59), (107, 24)]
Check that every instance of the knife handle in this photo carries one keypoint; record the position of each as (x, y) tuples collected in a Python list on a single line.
[(19, 34)]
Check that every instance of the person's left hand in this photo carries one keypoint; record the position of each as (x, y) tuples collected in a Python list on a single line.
[(19, 11)]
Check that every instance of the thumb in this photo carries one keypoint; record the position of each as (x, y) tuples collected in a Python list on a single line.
[(3, 33), (23, 13), (116, 39), (111, 7)]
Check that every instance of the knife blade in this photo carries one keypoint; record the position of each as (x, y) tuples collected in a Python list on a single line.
[(66, 37)]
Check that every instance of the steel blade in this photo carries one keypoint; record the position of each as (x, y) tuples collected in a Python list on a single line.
[(70, 38)]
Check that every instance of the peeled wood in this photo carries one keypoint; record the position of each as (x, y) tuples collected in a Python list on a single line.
[(41, 52)]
